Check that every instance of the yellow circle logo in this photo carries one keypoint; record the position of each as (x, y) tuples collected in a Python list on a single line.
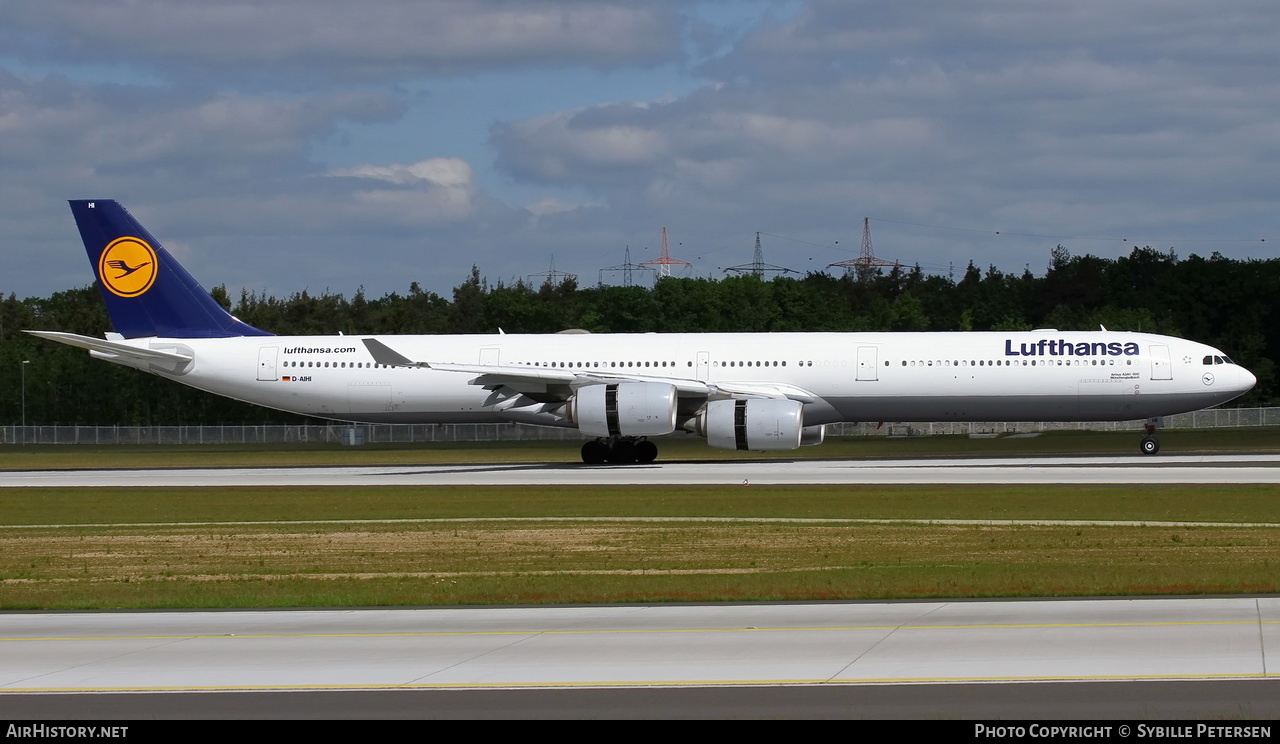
[(128, 267)]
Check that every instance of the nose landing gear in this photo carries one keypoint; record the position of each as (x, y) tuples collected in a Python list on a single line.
[(1150, 445)]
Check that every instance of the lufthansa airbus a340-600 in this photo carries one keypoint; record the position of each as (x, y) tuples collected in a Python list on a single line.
[(746, 391)]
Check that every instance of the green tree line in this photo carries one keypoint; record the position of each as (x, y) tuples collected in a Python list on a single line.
[(1223, 302)]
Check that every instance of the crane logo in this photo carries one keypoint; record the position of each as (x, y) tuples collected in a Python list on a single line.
[(128, 267)]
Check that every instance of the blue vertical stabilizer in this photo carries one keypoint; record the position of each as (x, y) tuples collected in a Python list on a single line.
[(147, 293)]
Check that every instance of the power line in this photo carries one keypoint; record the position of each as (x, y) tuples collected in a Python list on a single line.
[(757, 266), (665, 261), (867, 260), (553, 277), (626, 267), (1070, 237)]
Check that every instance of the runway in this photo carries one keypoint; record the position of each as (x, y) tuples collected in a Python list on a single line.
[(1207, 657), (647, 645), (1111, 658), (1261, 468)]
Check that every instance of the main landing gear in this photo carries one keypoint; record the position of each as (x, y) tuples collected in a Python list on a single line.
[(1150, 445), (619, 451)]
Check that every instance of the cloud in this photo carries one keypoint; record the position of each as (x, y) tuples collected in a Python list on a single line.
[(552, 206), (337, 39), (429, 190), (1058, 119), (571, 146), (945, 122), (447, 172), (110, 135)]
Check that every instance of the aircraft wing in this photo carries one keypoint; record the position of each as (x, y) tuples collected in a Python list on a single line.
[(113, 348), (497, 375), (521, 378)]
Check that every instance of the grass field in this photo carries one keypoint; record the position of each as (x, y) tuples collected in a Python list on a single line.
[(340, 547)]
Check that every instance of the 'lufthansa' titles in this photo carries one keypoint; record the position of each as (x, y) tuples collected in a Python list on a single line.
[(1059, 347)]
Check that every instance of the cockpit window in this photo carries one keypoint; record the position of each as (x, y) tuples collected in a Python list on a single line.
[(1215, 359)]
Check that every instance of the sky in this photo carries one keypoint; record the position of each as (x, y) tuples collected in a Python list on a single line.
[(330, 146)]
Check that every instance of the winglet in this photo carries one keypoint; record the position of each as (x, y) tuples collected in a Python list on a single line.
[(383, 354), (146, 291)]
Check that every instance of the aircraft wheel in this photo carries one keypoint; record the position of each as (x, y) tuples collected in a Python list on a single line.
[(622, 452), (1150, 445), (595, 452), (646, 452)]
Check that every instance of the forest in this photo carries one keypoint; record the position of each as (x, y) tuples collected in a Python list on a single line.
[(1227, 303)]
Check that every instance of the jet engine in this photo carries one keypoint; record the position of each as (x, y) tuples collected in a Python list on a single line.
[(629, 409), (752, 424)]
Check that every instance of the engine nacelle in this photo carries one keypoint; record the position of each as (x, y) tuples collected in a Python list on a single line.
[(811, 436), (752, 424), (631, 409)]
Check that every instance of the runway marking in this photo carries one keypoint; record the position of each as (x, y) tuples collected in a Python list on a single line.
[(1070, 470), (536, 632)]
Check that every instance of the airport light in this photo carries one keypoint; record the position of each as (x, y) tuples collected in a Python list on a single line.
[(25, 362)]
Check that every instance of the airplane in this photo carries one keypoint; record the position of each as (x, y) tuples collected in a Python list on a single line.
[(741, 391)]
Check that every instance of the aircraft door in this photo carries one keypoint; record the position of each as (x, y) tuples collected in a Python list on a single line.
[(867, 363), (489, 355), (267, 363), (1160, 367), (702, 365)]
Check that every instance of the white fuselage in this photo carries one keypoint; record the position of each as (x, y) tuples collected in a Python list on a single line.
[(990, 376)]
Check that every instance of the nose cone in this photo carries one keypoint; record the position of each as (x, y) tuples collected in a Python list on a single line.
[(1246, 380)]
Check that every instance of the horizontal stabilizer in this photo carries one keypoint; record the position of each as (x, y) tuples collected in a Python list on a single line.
[(112, 347)]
